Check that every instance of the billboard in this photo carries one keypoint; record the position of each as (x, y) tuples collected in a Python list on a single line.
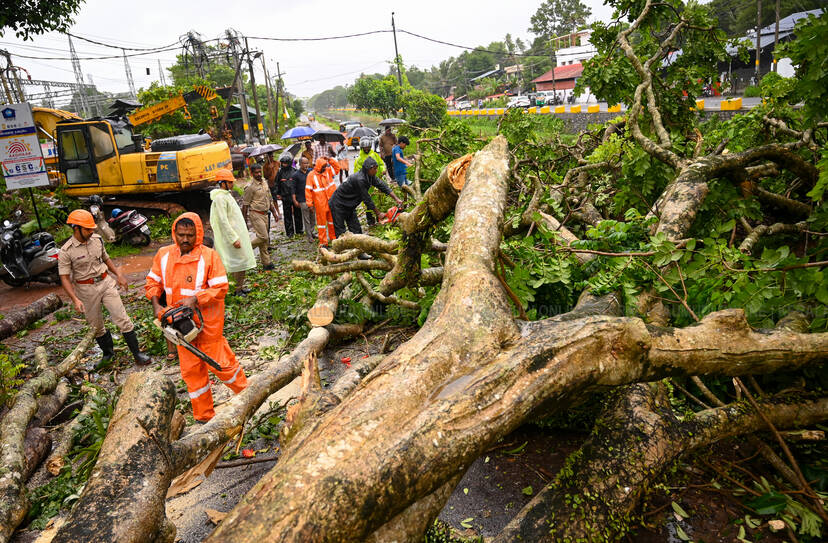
[(21, 157)]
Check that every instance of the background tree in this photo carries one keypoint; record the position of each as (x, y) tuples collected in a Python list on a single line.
[(736, 17), (175, 123), (32, 17), (559, 17)]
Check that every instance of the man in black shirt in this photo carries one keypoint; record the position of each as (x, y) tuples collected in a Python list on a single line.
[(299, 180), (354, 190), (284, 188)]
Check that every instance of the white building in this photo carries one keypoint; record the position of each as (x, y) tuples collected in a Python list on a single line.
[(577, 50)]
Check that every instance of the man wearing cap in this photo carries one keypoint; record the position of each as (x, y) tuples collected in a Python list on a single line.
[(257, 203), (230, 237), (88, 276), (353, 191)]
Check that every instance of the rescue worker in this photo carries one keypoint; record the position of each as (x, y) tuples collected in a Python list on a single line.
[(88, 276), (284, 187), (257, 204), (231, 239), (365, 151), (192, 275), (353, 191), (319, 187)]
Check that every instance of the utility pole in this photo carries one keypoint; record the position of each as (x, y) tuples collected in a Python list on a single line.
[(161, 74), (758, 37), (78, 79), (278, 95), (271, 110), (130, 81), (396, 51), (230, 98), (259, 127), (776, 36)]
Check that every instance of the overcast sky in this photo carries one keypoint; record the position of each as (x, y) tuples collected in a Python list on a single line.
[(309, 67)]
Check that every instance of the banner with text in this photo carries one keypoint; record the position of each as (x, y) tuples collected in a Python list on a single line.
[(21, 157)]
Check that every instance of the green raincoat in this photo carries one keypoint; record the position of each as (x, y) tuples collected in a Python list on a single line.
[(228, 226), (373, 154)]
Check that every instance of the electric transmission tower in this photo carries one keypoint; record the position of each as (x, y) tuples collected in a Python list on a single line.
[(130, 81), (78, 79), (161, 74)]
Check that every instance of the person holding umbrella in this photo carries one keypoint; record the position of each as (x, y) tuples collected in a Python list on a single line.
[(321, 148)]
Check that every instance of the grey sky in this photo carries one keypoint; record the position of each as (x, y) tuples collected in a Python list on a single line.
[(310, 67)]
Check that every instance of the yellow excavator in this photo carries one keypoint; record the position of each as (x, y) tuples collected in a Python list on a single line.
[(104, 156)]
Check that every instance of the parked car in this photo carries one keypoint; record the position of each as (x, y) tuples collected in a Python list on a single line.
[(519, 101), (463, 104), (347, 126)]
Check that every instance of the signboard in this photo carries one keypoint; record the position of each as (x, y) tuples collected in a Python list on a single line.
[(21, 158)]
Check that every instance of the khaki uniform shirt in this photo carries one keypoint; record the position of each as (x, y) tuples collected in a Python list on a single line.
[(387, 142), (83, 261), (257, 196)]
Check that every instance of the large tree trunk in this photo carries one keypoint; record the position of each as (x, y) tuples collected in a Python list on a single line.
[(15, 321)]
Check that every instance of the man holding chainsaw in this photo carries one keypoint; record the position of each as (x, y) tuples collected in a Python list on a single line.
[(354, 190), (193, 277)]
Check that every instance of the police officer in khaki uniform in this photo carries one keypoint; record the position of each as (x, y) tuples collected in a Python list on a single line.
[(86, 273), (257, 203)]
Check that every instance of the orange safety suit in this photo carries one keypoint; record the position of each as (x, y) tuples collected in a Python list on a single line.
[(198, 273), (319, 188)]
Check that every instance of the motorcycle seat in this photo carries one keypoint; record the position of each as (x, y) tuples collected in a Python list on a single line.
[(29, 251)]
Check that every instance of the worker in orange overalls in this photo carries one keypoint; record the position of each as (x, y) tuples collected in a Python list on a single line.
[(191, 274), (319, 188)]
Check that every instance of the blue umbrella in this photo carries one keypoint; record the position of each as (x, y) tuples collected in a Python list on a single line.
[(298, 132)]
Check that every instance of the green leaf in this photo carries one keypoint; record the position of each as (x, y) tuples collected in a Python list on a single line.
[(466, 523), (528, 490), (768, 504), (465, 491), (679, 511), (682, 534), (517, 449)]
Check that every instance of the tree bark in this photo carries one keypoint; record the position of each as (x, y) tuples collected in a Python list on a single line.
[(15, 321), (636, 438), (123, 501), (13, 501), (36, 445)]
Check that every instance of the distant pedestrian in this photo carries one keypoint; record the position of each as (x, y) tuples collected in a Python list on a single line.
[(400, 163), (230, 236), (284, 186), (386, 143), (354, 191), (300, 179), (344, 165), (307, 152), (270, 168), (321, 149), (257, 204)]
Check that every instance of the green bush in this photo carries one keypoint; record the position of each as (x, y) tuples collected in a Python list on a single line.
[(753, 92)]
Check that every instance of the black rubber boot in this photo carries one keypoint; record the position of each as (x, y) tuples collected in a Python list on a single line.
[(107, 348), (132, 342)]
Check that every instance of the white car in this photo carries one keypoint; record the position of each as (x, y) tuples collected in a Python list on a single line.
[(518, 101), (463, 104)]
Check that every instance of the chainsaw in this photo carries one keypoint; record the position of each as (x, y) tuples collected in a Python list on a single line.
[(179, 327), (391, 216)]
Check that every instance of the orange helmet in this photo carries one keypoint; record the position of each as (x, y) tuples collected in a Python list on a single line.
[(224, 175), (81, 217)]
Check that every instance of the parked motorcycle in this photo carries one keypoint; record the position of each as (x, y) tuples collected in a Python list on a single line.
[(27, 259), (122, 226), (130, 226)]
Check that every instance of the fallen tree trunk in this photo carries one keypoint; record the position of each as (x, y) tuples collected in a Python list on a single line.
[(118, 503), (638, 437), (63, 444), (15, 321), (13, 500), (35, 446), (457, 389)]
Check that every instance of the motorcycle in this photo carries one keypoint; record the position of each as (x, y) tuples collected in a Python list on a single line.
[(130, 226), (27, 259)]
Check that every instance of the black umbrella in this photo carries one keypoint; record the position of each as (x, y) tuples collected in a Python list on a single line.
[(393, 121), (328, 135), (264, 149), (362, 132)]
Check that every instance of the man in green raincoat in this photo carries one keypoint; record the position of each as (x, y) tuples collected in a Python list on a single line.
[(232, 240)]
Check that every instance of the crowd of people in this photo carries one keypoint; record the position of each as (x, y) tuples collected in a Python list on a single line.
[(318, 197)]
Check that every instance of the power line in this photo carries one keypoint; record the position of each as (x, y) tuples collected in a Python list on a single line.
[(481, 49), (326, 38), (96, 58), (175, 43)]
